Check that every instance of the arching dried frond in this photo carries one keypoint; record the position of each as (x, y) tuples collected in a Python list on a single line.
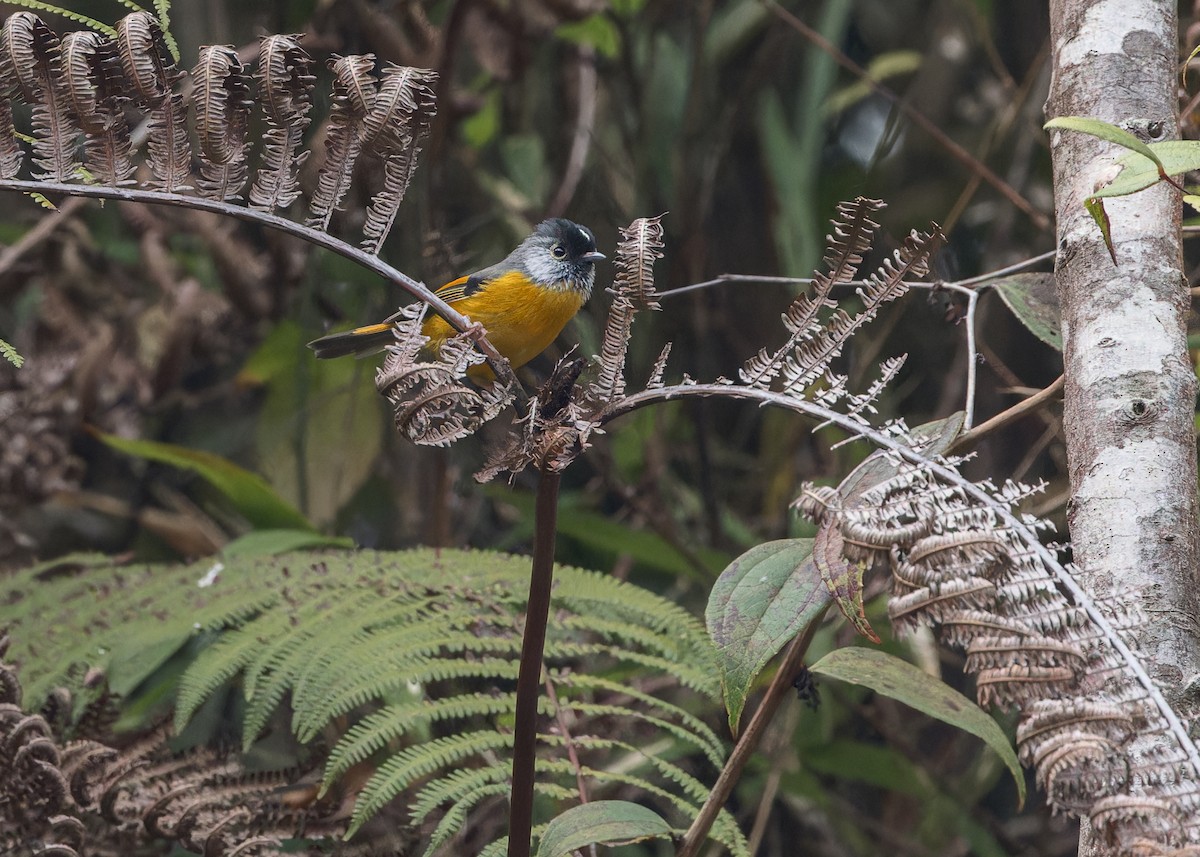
[(285, 84), (33, 50), (222, 106), (93, 74), (633, 290), (852, 231), (393, 130), (151, 74), (354, 88)]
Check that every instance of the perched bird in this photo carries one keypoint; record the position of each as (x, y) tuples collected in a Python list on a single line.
[(523, 302)]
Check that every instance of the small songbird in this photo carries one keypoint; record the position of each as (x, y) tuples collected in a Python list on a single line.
[(523, 302)]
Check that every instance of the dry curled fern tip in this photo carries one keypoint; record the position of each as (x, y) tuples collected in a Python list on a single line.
[(432, 403)]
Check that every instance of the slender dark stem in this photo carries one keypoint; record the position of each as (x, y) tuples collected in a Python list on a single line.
[(274, 221), (520, 816), (748, 743)]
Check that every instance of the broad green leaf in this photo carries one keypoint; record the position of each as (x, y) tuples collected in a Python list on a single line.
[(273, 542), (758, 604), (1138, 172), (129, 663), (607, 822), (248, 492), (1107, 131), (1032, 298), (843, 578), (901, 681), (321, 425)]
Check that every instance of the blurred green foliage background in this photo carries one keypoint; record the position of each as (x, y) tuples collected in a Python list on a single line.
[(182, 328)]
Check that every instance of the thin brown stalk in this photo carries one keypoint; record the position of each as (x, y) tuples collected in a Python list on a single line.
[(537, 612), (748, 743), (972, 437)]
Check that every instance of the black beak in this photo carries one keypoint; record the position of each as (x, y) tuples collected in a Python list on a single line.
[(594, 256)]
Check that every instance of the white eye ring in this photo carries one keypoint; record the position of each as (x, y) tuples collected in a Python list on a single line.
[(558, 251)]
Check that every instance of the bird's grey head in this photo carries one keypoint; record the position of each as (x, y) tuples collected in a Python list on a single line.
[(562, 254)]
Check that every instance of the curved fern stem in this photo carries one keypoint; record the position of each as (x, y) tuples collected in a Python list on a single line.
[(529, 679)]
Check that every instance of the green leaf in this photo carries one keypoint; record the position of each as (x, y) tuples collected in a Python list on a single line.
[(274, 542), (132, 661), (598, 31), (901, 681), (10, 354), (758, 604), (1111, 133), (481, 128), (1032, 298), (1136, 172), (321, 425), (1095, 207), (249, 493), (608, 822)]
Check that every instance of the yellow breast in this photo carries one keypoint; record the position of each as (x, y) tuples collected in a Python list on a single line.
[(521, 319)]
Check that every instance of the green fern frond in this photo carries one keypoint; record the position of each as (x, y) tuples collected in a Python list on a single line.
[(410, 644), (219, 664), (700, 731), (411, 764), (90, 23), (456, 816), (162, 10), (394, 722), (10, 354)]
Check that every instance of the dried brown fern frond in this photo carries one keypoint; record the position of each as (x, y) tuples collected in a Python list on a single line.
[(393, 130), (285, 85), (354, 88), (1103, 740), (83, 797), (151, 75), (31, 53), (221, 99), (433, 406), (850, 238), (633, 290), (93, 74)]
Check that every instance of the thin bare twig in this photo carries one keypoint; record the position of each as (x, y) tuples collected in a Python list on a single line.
[(585, 120), (970, 438), (40, 231)]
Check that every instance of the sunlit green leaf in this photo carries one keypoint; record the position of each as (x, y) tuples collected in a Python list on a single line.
[(598, 31)]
